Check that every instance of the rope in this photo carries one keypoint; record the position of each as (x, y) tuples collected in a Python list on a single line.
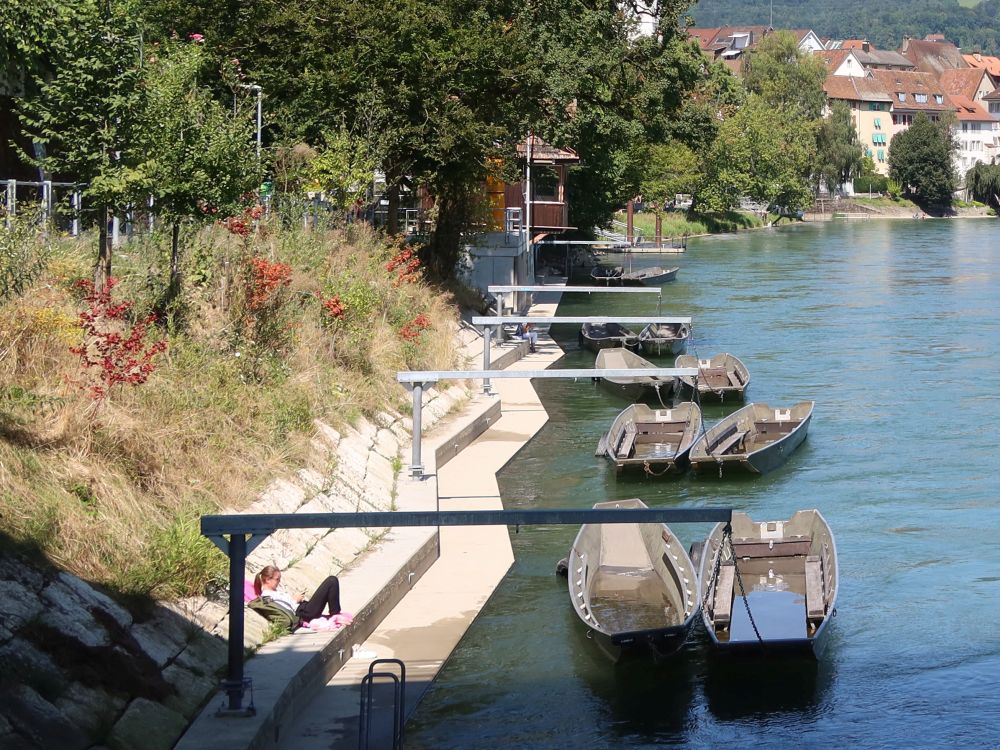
[(646, 467)]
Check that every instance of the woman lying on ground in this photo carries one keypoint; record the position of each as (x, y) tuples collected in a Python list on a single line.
[(327, 595)]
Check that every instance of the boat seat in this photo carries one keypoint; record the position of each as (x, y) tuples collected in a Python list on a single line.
[(790, 546), (722, 608), (730, 442), (627, 443), (815, 608), (734, 379)]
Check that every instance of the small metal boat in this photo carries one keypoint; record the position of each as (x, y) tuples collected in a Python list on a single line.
[(632, 585), (597, 336), (755, 439), (607, 274), (665, 338), (654, 276), (639, 386), (719, 377), (654, 440), (784, 572)]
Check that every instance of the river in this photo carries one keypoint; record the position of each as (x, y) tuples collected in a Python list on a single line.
[(893, 329)]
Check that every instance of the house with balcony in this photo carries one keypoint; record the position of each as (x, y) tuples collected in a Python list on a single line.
[(522, 213), (975, 135)]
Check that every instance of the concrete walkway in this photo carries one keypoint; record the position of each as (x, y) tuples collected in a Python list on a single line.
[(424, 628)]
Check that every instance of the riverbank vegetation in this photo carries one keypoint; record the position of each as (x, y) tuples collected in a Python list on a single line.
[(121, 420)]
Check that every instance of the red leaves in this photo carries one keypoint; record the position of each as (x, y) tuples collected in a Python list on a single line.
[(406, 264), (266, 278), (243, 225), (333, 307), (113, 353), (411, 331)]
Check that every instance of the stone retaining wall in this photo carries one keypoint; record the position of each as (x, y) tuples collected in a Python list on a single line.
[(81, 671)]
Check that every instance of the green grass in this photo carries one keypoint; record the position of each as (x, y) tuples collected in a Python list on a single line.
[(677, 224)]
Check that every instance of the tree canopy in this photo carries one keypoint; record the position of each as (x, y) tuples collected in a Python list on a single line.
[(839, 156), (785, 77), (920, 159)]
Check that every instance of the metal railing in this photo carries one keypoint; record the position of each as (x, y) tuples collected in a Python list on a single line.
[(368, 703), (43, 195), (237, 535)]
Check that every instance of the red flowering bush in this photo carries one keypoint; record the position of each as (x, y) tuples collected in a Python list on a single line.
[(406, 265), (113, 353), (333, 308), (267, 279), (242, 225), (411, 330)]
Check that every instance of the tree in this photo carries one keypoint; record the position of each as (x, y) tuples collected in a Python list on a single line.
[(762, 154), (920, 159), (671, 168), (838, 151), (983, 184), (86, 111), (785, 77), (197, 156)]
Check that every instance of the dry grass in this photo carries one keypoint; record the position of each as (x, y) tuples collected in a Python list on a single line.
[(112, 490)]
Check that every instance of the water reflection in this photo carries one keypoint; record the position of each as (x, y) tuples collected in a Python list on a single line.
[(740, 687)]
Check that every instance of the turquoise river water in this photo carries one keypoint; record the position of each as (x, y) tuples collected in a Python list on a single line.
[(893, 329)]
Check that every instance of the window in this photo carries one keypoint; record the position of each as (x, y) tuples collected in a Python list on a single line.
[(881, 154), (939, 99), (877, 106), (965, 127), (921, 98), (994, 107), (878, 123), (901, 96)]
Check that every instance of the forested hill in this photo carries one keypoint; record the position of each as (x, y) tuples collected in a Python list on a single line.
[(884, 24)]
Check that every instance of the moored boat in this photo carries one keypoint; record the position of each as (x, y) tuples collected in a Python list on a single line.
[(783, 572), (664, 338), (755, 439), (597, 336), (719, 377), (654, 440), (632, 585), (607, 274), (633, 387), (654, 276)]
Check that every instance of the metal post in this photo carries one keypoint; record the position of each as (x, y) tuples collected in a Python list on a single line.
[(237, 572), (115, 231), (46, 200), (77, 205), (416, 468), (487, 338), (11, 201), (260, 121), (151, 203)]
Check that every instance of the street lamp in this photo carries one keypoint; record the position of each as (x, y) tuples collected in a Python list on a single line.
[(260, 94)]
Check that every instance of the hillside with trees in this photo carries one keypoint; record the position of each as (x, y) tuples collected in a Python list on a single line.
[(884, 24)]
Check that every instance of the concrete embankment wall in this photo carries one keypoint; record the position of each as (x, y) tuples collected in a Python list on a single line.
[(82, 671)]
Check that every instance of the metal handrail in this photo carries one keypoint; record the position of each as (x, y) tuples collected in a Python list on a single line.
[(398, 703)]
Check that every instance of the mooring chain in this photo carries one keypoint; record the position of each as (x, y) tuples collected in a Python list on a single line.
[(727, 532), (743, 593)]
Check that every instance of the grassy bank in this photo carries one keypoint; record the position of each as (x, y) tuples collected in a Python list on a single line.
[(679, 224), (110, 448)]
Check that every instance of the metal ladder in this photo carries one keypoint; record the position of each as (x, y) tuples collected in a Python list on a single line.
[(398, 703)]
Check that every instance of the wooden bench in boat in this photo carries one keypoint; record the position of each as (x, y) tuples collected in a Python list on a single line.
[(815, 607), (658, 428), (626, 442), (789, 546), (722, 608), (729, 443)]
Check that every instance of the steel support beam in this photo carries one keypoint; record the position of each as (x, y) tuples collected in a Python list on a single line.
[(433, 376), (259, 525), (494, 320)]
